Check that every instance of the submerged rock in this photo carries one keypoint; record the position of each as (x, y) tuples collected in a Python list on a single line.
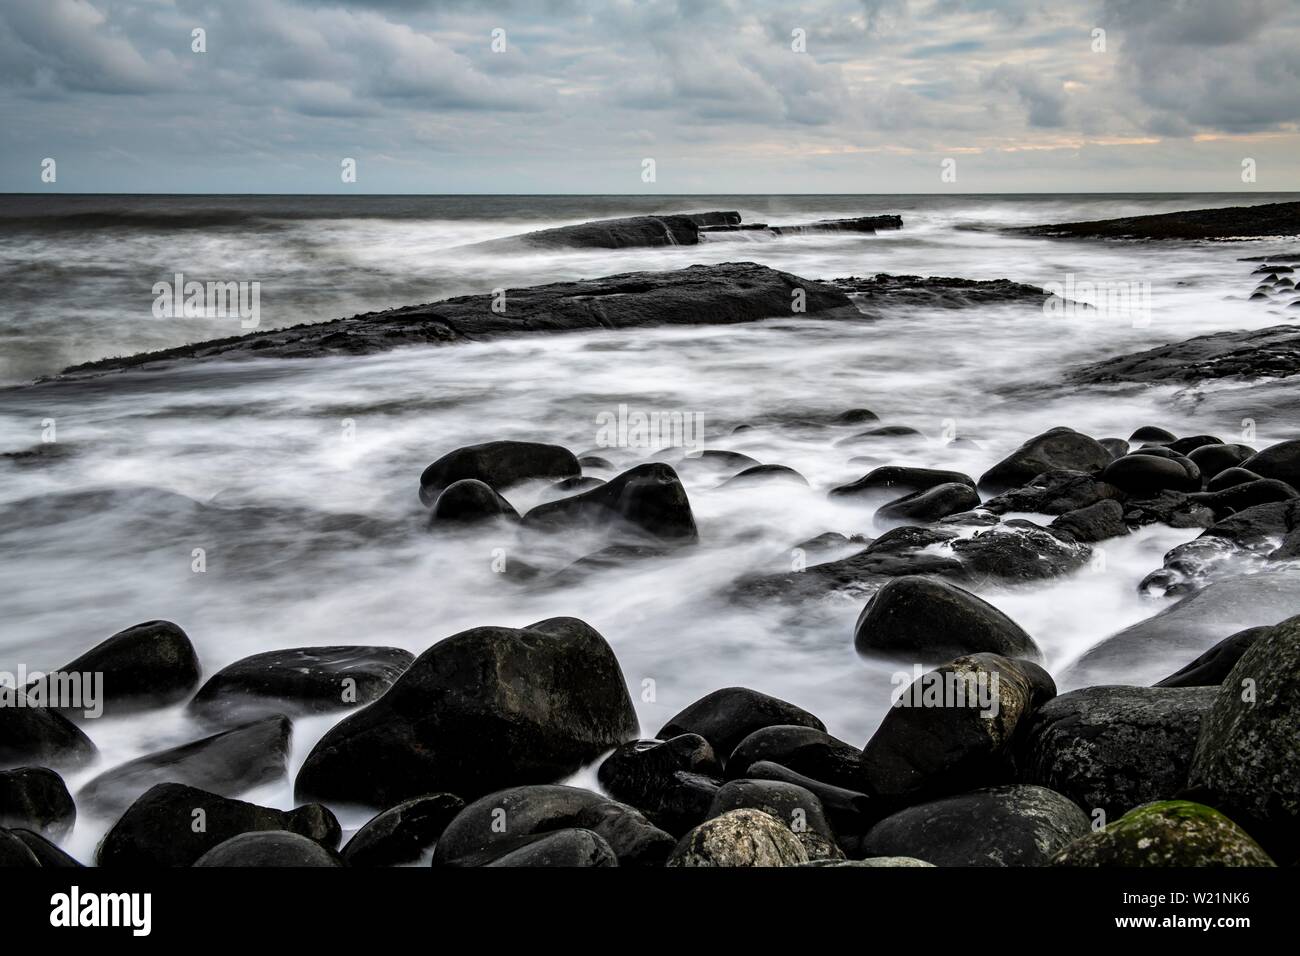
[(648, 500), (1170, 833), (891, 480), (469, 501), (923, 507)]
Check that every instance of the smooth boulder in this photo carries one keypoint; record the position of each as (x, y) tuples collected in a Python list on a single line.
[(35, 798), (498, 464), (923, 507), (647, 500), (469, 502), (270, 848), (402, 833), (1054, 450), (726, 717)]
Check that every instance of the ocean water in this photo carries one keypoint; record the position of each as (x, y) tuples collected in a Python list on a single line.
[(254, 463)]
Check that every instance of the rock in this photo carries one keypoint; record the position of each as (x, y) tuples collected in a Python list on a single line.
[(498, 464), (1176, 509), (47, 855), (1246, 758), (804, 750), (402, 833), (14, 853), (1240, 497), (633, 838), (148, 665), (1096, 522), (1141, 653), (1289, 549), (1248, 354), (1170, 833), (1019, 551), (487, 708), (672, 781), (1116, 446), (1214, 459), (1185, 446), (721, 294), (1230, 222), (570, 486), (1230, 477), (1114, 748), (883, 293), (469, 501), (924, 507), (716, 459), (275, 848), (765, 474), (35, 798), (1058, 449), (1143, 474), (797, 807), (952, 729), (1054, 493), (739, 838), (887, 431), (998, 826), (1257, 525), (891, 480), (301, 680), (873, 861), (930, 620), (1152, 433), (173, 825), (628, 232), (560, 848), (726, 717), (31, 735), (1210, 668), (229, 763), (850, 811), (648, 500)]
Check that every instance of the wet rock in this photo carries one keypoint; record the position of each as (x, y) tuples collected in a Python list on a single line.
[(892, 480), (301, 680), (1257, 525), (952, 729), (272, 848), (1231, 222), (498, 464), (998, 826), (1113, 748), (31, 735), (487, 708), (1230, 477), (173, 825), (48, 856), (1253, 353), (1176, 509), (765, 474), (1143, 474), (1096, 522), (1170, 833), (35, 798), (850, 811), (1116, 446), (726, 717), (804, 750), (797, 807), (1246, 758), (593, 461), (928, 619), (630, 834), (923, 507), (570, 486), (1280, 461), (1053, 493), (469, 501), (1152, 433), (648, 499), (883, 292), (831, 541), (1214, 459), (739, 838), (1229, 501), (1185, 446), (229, 763), (1019, 551), (623, 233), (717, 460), (1211, 668), (560, 848), (148, 665), (14, 853), (402, 833), (1058, 449), (672, 781)]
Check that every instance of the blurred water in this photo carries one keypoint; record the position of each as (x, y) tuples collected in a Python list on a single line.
[(255, 462)]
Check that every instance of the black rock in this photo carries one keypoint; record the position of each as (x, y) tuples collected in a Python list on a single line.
[(648, 500), (951, 729), (895, 479), (1230, 477), (148, 665), (1116, 446), (997, 826), (804, 750), (763, 474), (1096, 522), (672, 781), (487, 708), (1152, 433), (1185, 446), (31, 735), (402, 833), (1019, 551), (886, 431), (274, 848), (726, 717), (470, 501), (1058, 449), (594, 461), (1210, 669), (1280, 461), (1214, 459), (173, 825), (1114, 748), (797, 807), (632, 837), (498, 464), (14, 853), (1229, 222), (850, 811), (302, 680), (930, 620), (1229, 501), (623, 233), (48, 855), (35, 798), (229, 763), (1054, 493), (924, 507), (739, 838), (1144, 474), (561, 848)]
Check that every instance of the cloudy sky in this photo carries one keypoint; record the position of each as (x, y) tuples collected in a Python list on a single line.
[(723, 95)]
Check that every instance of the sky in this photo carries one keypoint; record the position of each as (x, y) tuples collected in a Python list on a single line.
[(711, 96)]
